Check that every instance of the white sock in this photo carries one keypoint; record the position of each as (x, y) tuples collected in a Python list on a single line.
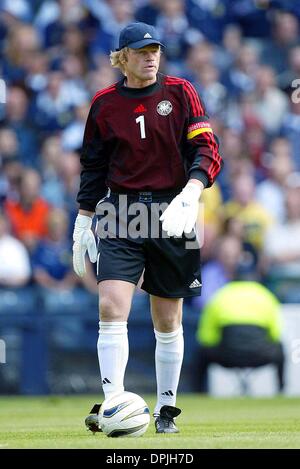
[(113, 356), (168, 361)]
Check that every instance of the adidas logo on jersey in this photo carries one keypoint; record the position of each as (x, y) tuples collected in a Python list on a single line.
[(140, 108), (195, 284)]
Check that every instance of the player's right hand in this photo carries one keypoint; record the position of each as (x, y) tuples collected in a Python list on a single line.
[(84, 241)]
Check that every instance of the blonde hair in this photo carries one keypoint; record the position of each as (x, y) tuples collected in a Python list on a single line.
[(119, 58)]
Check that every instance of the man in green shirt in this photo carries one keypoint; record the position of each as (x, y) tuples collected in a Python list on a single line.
[(240, 327)]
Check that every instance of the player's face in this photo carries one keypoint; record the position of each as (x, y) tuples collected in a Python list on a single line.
[(142, 65)]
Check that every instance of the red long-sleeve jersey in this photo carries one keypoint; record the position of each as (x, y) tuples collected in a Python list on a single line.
[(147, 139)]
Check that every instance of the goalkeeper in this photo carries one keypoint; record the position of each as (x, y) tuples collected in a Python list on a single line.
[(148, 140)]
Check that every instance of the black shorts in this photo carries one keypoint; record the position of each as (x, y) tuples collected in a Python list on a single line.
[(130, 241)]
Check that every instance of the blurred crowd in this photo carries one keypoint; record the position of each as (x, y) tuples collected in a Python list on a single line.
[(243, 57)]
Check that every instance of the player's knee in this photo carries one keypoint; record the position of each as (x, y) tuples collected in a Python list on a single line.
[(168, 323), (109, 310)]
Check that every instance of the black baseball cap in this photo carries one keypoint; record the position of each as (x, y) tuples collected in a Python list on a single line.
[(138, 35)]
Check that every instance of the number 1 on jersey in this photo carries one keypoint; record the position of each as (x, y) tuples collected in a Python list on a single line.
[(141, 120)]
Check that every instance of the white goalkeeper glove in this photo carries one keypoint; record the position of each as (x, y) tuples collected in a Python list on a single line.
[(181, 215), (84, 240)]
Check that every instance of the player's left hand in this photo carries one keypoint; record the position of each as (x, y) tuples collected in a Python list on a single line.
[(181, 214)]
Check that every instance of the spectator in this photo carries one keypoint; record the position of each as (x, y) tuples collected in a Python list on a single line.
[(255, 137), (69, 13), (220, 270), (22, 40), (73, 134), (286, 78), (36, 66), (285, 35), (271, 192), (60, 176), (17, 119), (47, 12), (270, 103), (75, 43), (212, 203), (176, 32), (121, 12), (28, 214), (252, 16), (243, 206), (9, 156), (235, 153), (9, 146), (227, 53), (291, 130), (149, 12), (69, 174), (103, 76), (209, 223), (209, 17), (240, 78), (240, 327), (10, 180), (213, 92), (15, 270), (249, 257), (200, 54), (52, 257), (282, 247), (74, 70), (54, 106)]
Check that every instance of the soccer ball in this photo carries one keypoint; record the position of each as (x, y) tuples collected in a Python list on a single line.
[(124, 414)]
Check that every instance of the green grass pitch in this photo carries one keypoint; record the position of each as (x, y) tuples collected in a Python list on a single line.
[(57, 422)]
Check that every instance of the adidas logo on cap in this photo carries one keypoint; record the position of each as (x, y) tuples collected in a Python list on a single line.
[(147, 35)]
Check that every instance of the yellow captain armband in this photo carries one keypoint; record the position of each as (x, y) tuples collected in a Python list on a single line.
[(198, 128)]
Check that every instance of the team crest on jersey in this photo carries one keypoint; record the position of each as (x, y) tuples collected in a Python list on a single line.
[(164, 108)]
